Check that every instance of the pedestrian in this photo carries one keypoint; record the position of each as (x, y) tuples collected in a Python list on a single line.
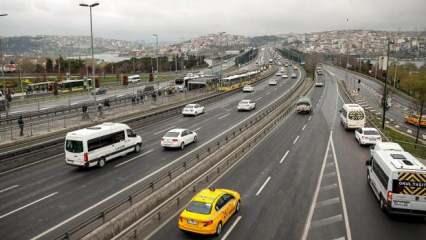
[(100, 111), (141, 98), (106, 103), (133, 100), (154, 96), (85, 113), (21, 125)]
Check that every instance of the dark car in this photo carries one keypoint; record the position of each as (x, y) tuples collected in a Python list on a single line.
[(99, 91)]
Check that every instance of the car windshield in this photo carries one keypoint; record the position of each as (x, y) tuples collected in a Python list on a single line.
[(74, 146), (189, 107), (172, 134), (244, 102), (199, 207), (371, 132)]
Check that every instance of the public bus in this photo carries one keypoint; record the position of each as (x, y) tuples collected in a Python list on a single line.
[(74, 85)]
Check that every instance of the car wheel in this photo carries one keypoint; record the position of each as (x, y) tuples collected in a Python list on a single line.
[(237, 208), (219, 229), (182, 145), (137, 148), (195, 139), (101, 162)]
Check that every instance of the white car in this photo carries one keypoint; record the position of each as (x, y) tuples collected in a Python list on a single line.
[(278, 74), (192, 109), (246, 105), (178, 138), (285, 76), (319, 84), (272, 82), (248, 88), (367, 136), (293, 75)]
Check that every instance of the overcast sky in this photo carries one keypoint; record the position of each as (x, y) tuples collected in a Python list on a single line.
[(182, 19)]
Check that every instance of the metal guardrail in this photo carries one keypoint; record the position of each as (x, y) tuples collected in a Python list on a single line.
[(173, 171)]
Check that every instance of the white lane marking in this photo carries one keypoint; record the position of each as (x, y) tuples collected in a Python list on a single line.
[(316, 193), (303, 128), (409, 131), (310, 117), (424, 136), (263, 186), (329, 187), (197, 129), (397, 126), (164, 130), (133, 158), (285, 155), (328, 202), (342, 195), (30, 164), (257, 99), (223, 116), (231, 228), (295, 140), (27, 205), (8, 188), (327, 221)]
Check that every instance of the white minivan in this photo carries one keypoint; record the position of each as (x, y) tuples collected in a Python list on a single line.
[(352, 116), (398, 180), (94, 146)]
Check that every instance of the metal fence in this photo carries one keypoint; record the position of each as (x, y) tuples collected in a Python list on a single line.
[(36, 125)]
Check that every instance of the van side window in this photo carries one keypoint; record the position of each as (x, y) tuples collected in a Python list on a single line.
[(380, 174), (104, 141)]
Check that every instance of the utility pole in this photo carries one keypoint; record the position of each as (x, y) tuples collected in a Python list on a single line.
[(156, 50), (90, 6), (420, 120), (394, 75), (384, 103), (6, 102)]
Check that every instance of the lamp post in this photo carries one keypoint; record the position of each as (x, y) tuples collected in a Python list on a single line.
[(384, 103), (156, 49), (90, 6), (6, 107)]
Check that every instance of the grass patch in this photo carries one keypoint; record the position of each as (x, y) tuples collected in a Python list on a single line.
[(408, 143)]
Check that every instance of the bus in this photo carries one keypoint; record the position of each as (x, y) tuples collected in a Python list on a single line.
[(74, 85), (94, 146), (352, 116), (39, 88)]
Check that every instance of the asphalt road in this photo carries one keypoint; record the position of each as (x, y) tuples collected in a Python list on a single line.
[(39, 197), (370, 97), (306, 180)]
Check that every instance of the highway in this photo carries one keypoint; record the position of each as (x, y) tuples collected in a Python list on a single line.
[(371, 93), (306, 180), (45, 195)]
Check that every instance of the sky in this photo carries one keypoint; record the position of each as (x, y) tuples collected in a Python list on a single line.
[(175, 20)]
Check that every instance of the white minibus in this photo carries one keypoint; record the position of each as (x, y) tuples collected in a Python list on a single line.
[(134, 78), (352, 116), (98, 144)]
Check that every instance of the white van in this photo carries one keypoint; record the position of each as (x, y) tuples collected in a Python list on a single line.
[(134, 78), (352, 116), (98, 144), (398, 180)]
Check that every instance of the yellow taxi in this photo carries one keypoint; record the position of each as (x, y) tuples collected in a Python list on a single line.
[(209, 210), (414, 119)]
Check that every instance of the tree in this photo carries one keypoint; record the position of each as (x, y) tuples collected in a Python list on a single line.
[(49, 65)]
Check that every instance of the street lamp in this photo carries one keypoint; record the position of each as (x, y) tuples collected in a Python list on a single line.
[(386, 84), (90, 6), (2, 73), (156, 49)]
